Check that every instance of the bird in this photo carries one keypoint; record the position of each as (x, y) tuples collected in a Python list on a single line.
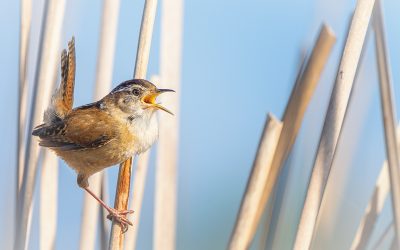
[(101, 134)]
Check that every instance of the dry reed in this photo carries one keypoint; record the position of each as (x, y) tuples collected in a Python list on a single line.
[(25, 26), (137, 197), (333, 123), (388, 115), (167, 153), (124, 174), (296, 107), (90, 215), (105, 61), (48, 201), (44, 79), (385, 236), (247, 219), (372, 211), (327, 39), (272, 206), (104, 222)]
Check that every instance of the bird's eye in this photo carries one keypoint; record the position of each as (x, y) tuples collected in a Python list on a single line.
[(136, 92)]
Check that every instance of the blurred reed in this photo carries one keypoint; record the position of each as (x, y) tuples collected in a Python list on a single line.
[(248, 216), (104, 70), (49, 177), (124, 174), (167, 154), (374, 207), (372, 211), (292, 118), (333, 123), (388, 115), (90, 215), (295, 109), (45, 76), (139, 182), (25, 27), (271, 206), (274, 147), (385, 237), (104, 221), (302, 93), (48, 201), (137, 197)]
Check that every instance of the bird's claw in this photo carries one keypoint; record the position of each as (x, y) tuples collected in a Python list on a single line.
[(119, 216)]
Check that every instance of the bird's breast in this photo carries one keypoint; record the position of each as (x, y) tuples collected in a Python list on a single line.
[(144, 132)]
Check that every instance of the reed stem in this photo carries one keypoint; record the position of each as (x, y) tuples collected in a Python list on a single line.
[(388, 116), (45, 76), (373, 210), (104, 71), (333, 123), (167, 155), (247, 219), (124, 174)]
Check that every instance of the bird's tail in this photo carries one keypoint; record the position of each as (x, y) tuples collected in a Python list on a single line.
[(63, 97)]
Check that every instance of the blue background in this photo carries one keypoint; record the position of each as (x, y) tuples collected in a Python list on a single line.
[(240, 60)]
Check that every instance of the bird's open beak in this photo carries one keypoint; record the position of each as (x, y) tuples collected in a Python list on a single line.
[(150, 99)]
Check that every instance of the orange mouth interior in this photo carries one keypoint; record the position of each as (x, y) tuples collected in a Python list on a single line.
[(150, 99)]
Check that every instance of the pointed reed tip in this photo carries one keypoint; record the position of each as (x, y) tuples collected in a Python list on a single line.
[(328, 29)]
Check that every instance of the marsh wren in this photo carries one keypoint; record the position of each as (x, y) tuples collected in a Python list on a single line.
[(107, 132)]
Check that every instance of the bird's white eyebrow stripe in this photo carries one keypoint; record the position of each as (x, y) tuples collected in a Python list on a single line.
[(127, 86), (121, 89)]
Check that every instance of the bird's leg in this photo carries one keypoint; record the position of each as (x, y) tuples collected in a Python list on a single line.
[(119, 216)]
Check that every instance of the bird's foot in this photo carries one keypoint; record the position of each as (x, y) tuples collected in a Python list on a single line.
[(120, 217)]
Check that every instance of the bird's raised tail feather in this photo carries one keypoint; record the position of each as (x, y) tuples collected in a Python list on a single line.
[(63, 97)]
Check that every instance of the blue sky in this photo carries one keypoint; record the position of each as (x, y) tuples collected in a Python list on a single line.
[(239, 62)]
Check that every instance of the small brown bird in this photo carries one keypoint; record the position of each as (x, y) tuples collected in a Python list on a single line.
[(95, 136)]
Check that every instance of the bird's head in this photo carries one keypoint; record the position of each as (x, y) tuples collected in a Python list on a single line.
[(137, 97)]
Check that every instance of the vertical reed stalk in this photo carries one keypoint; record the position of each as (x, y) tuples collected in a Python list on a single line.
[(139, 184), (48, 201), (90, 215), (105, 61), (388, 116), (124, 175), (393, 244), (44, 78), (104, 222), (25, 26), (167, 154), (26, 13), (121, 203), (49, 179), (137, 198), (247, 219), (333, 122)]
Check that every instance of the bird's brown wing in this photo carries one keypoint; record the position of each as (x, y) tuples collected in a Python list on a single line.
[(82, 129)]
